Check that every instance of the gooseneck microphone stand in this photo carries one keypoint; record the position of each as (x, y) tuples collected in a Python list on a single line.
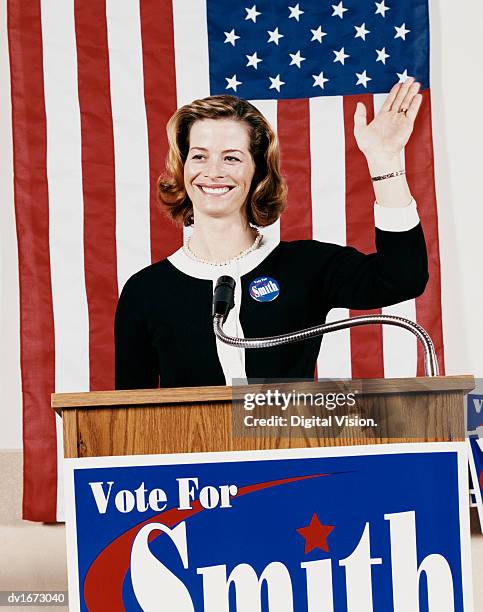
[(223, 302)]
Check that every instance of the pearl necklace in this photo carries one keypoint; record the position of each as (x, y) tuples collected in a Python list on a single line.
[(252, 247)]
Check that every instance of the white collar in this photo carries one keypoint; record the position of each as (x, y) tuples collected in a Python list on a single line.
[(237, 268)]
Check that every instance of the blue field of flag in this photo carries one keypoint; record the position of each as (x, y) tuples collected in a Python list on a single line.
[(277, 50)]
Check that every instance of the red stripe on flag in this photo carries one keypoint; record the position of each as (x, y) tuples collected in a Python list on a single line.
[(293, 125), (160, 98), (32, 219), (420, 171), (366, 342), (98, 179)]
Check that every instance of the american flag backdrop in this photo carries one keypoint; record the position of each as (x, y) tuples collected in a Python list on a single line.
[(93, 83)]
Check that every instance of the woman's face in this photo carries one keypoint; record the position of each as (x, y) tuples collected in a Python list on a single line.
[(219, 169)]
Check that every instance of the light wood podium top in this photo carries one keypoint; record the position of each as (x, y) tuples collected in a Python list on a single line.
[(205, 419), (183, 395)]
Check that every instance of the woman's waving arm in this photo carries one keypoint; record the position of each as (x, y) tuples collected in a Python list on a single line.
[(383, 139)]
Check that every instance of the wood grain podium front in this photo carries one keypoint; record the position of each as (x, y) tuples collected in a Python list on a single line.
[(204, 419)]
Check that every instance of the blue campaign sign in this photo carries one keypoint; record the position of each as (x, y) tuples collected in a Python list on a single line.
[(476, 471), (361, 529), (474, 412)]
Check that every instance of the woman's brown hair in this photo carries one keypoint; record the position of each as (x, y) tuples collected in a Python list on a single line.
[(267, 196)]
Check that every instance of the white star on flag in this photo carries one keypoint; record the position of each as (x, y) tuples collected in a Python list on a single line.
[(361, 31), (297, 59), (276, 83), (402, 76), (319, 80), (232, 82), (295, 12), (318, 34), (252, 14), (401, 31), (274, 36), (382, 55), (362, 78), (381, 8), (340, 55), (253, 60), (231, 37), (339, 10)]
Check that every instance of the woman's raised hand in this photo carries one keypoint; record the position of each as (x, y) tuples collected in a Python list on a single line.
[(389, 131)]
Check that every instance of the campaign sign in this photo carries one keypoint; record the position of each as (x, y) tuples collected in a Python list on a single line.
[(476, 471), (474, 412), (361, 529)]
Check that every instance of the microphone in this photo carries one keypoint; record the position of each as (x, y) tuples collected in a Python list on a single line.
[(223, 296), (224, 303)]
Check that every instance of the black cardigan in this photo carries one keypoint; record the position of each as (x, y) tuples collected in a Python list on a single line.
[(163, 325)]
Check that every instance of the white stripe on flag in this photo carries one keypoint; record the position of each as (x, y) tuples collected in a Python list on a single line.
[(268, 108), (327, 155), (59, 431), (66, 217), (130, 138), (191, 50), (399, 345)]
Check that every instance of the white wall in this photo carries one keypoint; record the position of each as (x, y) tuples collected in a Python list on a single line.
[(457, 93)]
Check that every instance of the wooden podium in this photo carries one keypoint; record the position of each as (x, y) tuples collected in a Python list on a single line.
[(203, 419), (289, 496)]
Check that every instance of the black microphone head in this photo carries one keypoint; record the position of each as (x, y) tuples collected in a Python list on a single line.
[(226, 280), (224, 296)]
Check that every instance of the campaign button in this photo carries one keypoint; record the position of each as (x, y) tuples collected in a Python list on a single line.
[(264, 289)]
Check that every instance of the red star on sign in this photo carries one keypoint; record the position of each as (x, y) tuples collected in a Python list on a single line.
[(315, 535)]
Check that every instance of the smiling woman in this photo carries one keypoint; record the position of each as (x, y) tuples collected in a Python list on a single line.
[(223, 179), (199, 135)]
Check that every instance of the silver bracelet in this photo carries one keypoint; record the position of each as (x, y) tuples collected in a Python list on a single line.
[(386, 176)]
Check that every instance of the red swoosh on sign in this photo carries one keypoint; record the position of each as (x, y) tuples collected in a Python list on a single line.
[(101, 595)]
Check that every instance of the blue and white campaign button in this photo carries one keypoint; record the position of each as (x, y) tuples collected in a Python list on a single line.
[(264, 289)]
